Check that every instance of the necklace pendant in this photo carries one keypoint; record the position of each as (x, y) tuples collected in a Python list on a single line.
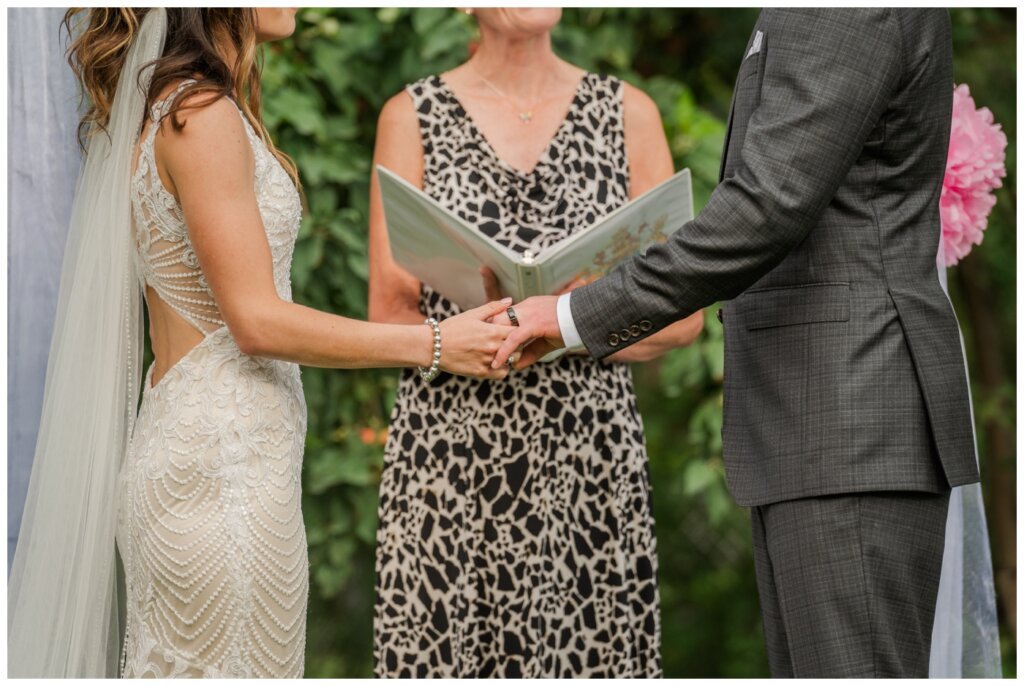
[(526, 117)]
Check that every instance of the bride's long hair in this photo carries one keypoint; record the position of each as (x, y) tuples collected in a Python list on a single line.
[(98, 51)]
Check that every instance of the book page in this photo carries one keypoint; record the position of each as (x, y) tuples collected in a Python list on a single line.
[(439, 248), (446, 253), (628, 231)]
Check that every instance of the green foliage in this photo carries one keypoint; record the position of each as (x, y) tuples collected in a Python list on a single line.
[(323, 90)]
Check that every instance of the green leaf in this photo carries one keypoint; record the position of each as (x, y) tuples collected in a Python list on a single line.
[(366, 512), (698, 477), (333, 467), (389, 15), (449, 37), (424, 20), (301, 110)]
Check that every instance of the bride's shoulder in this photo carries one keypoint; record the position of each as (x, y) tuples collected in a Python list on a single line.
[(205, 127), (201, 112), (187, 100)]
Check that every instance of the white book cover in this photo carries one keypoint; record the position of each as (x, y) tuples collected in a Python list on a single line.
[(446, 253)]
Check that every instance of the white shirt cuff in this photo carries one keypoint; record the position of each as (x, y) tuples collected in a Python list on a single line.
[(570, 336)]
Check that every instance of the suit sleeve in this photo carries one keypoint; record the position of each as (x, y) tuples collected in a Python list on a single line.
[(827, 79)]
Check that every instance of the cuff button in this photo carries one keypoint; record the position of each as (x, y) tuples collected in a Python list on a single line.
[(613, 339), (634, 330), (645, 325)]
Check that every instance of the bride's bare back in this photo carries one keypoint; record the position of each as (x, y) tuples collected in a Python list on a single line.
[(182, 310)]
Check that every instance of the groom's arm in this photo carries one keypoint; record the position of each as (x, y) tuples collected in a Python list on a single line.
[(828, 76)]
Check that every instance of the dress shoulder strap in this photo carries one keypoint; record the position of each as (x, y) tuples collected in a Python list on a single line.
[(429, 95), (162, 106)]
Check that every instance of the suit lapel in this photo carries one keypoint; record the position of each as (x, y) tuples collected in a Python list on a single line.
[(732, 105), (728, 133)]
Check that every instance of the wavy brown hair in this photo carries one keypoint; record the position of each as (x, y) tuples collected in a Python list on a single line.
[(99, 41)]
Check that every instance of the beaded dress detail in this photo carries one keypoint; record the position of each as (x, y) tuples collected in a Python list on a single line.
[(210, 526)]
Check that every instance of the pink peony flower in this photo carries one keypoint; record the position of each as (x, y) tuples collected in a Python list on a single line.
[(975, 167)]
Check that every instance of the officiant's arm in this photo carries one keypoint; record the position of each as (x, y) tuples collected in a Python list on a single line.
[(394, 294), (650, 163), (820, 99)]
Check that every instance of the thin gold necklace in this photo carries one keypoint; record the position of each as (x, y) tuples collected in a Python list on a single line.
[(525, 116)]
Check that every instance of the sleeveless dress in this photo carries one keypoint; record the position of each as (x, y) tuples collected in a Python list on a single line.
[(516, 537), (210, 528)]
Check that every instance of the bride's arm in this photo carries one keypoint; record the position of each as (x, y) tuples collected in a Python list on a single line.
[(209, 167)]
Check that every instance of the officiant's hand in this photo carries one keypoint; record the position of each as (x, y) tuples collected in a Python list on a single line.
[(573, 285), (537, 331), (469, 341), (492, 289), (491, 286)]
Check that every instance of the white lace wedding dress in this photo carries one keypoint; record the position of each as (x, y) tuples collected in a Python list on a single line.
[(210, 527)]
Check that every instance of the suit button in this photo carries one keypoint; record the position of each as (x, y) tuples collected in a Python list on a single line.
[(645, 325), (719, 315), (624, 334), (634, 330), (613, 339)]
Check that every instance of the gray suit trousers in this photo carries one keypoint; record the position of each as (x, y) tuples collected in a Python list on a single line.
[(848, 583)]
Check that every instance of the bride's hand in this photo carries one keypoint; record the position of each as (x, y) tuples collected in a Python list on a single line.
[(469, 342)]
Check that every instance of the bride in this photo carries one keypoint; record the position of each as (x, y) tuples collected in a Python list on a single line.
[(184, 199)]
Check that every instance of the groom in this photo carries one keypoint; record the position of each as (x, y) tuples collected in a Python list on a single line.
[(846, 417)]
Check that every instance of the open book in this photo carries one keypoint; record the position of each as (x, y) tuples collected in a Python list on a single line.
[(446, 253)]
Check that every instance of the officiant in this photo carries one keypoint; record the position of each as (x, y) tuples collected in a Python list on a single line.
[(515, 517)]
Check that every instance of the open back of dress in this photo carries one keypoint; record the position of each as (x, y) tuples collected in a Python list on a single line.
[(210, 523)]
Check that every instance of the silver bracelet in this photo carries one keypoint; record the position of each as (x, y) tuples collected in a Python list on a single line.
[(429, 375)]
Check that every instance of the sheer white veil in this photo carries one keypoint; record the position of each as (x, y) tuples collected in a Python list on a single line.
[(62, 618), (965, 636)]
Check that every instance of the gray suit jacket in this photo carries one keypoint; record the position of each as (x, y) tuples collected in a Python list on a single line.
[(843, 366)]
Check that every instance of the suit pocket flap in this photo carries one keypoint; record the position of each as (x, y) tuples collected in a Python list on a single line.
[(765, 308)]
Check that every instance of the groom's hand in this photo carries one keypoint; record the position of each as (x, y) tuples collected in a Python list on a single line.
[(538, 330)]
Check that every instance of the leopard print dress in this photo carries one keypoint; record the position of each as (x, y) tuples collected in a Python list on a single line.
[(516, 537)]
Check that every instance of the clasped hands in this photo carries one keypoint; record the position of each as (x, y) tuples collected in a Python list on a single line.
[(485, 343), (535, 332)]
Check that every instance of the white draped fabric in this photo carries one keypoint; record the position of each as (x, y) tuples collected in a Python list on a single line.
[(62, 592), (42, 163), (965, 635)]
